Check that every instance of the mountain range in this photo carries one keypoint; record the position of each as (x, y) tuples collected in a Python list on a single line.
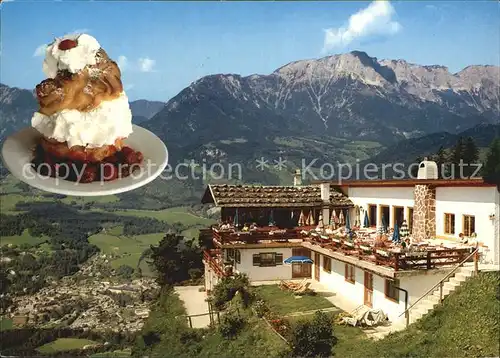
[(351, 96), (338, 108)]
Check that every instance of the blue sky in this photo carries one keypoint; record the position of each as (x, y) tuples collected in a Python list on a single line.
[(168, 45)]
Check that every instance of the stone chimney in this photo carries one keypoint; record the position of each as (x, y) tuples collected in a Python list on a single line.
[(325, 192), (297, 178), (427, 169), (424, 212)]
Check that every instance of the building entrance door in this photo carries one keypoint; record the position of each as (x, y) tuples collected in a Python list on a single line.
[(368, 299), (316, 265)]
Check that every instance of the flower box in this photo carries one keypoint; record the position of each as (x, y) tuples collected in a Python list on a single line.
[(365, 248), (383, 253)]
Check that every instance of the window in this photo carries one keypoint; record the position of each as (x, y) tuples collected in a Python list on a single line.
[(449, 224), (266, 259), (237, 256), (349, 273), (229, 254), (327, 264), (469, 225), (391, 292)]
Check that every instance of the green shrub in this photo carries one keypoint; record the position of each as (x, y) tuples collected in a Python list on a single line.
[(226, 289), (261, 308), (231, 324), (313, 338)]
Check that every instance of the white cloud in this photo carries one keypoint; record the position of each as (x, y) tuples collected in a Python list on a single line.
[(122, 62), (146, 64), (80, 31), (375, 19), (40, 50)]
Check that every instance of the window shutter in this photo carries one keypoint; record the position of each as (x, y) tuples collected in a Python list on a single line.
[(256, 259), (278, 259), (346, 273), (237, 256)]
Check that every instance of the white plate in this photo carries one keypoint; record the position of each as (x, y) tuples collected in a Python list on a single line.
[(17, 153)]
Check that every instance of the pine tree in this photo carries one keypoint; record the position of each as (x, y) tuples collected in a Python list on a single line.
[(442, 160), (457, 156), (491, 168), (470, 156), (414, 168)]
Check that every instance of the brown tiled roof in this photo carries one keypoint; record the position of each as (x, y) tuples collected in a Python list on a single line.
[(471, 182), (270, 196)]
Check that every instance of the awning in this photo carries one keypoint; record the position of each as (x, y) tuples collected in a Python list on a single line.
[(298, 260)]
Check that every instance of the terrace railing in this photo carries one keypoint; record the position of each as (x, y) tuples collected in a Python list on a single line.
[(214, 260), (255, 236), (407, 260), (474, 255)]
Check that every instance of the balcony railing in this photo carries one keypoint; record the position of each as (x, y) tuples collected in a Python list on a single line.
[(426, 259), (214, 260), (259, 235)]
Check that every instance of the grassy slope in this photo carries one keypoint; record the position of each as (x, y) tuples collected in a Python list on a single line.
[(65, 344), (283, 302), (255, 339), (466, 325), (129, 248), (24, 238)]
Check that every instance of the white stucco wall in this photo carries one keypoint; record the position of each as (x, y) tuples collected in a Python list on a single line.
[(480, 202), (416, 285), (211, 278), (389, 196), (256, 273)]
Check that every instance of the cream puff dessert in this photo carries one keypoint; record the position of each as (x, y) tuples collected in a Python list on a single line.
[(84, 113)]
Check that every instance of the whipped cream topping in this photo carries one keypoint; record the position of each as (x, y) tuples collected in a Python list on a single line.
[(74, 59), (101, 126)]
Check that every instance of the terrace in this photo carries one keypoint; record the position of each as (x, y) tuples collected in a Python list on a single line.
[(269, 236), (370, 249)]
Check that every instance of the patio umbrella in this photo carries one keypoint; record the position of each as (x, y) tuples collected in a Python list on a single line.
[(395, 236), (341, 218), (333, 219), (310, 218), (347, 221), (271, 218), (384, 224), (320, 220), (357, 220), (235, 219), (302, 219), (404, 232), (298, 260), (367, 220)]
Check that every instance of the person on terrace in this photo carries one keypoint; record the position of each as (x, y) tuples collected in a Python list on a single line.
[(253, 226), (245, 227)]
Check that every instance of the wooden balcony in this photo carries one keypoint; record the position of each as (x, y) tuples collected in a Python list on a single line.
[(215, 261), (429, 258), (260, 236)]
